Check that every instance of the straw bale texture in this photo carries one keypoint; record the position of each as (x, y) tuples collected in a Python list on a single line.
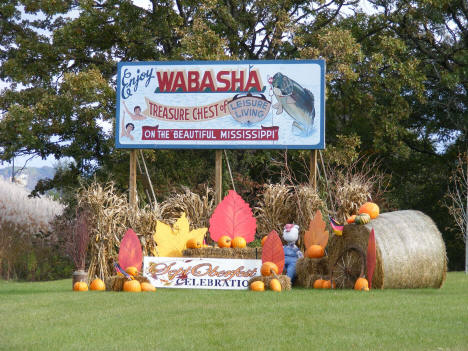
[(223, 252), (310, 269), (283, 279), (409, 248)]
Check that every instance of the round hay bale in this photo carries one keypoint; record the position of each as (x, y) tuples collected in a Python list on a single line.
[(310, 269), (410, 251), (223, 252), (283, 279)]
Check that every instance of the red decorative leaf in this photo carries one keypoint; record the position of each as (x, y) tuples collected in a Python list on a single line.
[(273, 251), (316, 235), (233, 217), (371, 257), (130, 253)]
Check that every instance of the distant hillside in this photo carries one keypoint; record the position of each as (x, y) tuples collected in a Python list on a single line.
[(30, 175)]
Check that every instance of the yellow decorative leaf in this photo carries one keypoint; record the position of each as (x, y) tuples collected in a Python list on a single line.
[(172, 241)]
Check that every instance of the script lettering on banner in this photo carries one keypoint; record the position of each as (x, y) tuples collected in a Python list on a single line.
[(200, 273)]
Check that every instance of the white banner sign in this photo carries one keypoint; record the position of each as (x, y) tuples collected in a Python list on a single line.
[(200, 273)]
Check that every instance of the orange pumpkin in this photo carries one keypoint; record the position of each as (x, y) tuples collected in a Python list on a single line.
[(133, 271), (238, 242), (132, 286), (327, 284), (318, 284), (193, 244), (361, 284), (371, 208), (224, 241), (267, 268), (351, 219), (275, 285), (80, 286), (263, 240), (257, 286), (315, 251), (145, 286), (98, 285)]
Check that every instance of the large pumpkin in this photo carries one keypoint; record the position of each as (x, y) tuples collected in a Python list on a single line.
[(225, 241), (238, 242), (315, 251), (267, 268), (145, 286), (133, 271), (132, 286), (361, 284), (275, 285), (98, 285), (318, 284), (80, 286), (193, 244), (257, 286), (371, 208)]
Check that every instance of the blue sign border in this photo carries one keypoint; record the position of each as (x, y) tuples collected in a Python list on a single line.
[(319, 146)]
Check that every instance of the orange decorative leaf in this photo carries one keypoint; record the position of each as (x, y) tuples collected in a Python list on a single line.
[(233, 217), (130, 253), (317, 234), (371, 257), (273, 250)]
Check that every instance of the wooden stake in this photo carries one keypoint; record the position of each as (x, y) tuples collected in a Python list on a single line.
[(313, 169), (132, 178), (219, 176)]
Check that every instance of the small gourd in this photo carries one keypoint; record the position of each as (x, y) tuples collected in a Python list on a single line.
[(351, 219), (257, 286), (363, 218)]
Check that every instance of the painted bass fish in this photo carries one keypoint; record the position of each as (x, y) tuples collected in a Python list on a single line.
[(296, 101)]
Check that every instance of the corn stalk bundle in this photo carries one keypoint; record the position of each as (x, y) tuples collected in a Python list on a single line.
[(110, 217), (198, 209), (276, 208)]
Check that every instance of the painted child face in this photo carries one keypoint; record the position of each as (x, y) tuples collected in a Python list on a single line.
[(137, 110), (129, 128)]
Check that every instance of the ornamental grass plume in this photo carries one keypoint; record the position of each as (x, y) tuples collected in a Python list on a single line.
[(22, 217)]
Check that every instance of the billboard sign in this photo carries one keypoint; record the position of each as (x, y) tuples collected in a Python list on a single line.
[(221, 104)]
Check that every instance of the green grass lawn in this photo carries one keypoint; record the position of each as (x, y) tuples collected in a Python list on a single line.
[(49, 316)]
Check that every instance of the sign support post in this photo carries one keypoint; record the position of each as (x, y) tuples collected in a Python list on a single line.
[(132, 178), (218, 176)]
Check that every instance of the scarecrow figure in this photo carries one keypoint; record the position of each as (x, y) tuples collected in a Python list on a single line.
[(291, 251)]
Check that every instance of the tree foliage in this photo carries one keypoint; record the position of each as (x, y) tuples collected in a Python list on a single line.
[(396, 81)]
